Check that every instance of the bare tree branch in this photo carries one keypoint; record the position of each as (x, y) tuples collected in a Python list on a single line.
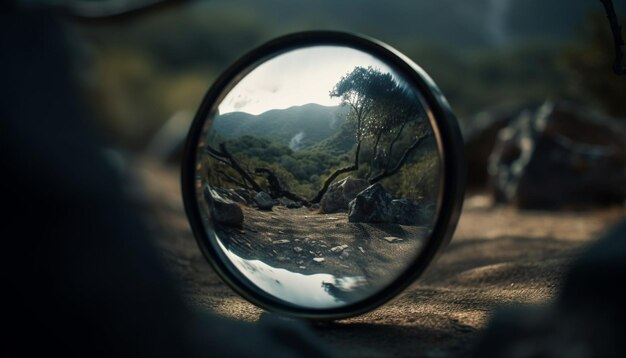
[(232, 180), (395, 139), (277, 189), (335, 174), (225, 157), (618, 40), (375, 150), (396, 168), (218, 158)]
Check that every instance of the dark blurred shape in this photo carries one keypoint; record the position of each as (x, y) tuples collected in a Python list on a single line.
[(168, 143), (590, 61), (618, 40), (480, 52), (110, 10), (80, 275), (587, 319), (481, 137), (560, 156)]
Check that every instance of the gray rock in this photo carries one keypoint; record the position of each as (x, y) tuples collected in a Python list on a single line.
[(340, 194), (339, 248), (264, 201), (371, 205), (279, 242), (406, 212), (375, 205), (392, 239), (288, 203), (223, 210), (560, 156)]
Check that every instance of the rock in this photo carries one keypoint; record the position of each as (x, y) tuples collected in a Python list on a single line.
[(375, 205), (288, 203), (344, 254), (480, 139), (278, 242), (297, 249), (406, 212), (560, 156), (264, 201), (361, 249), (371, 205), (223, 210), (340, 194), (319, 259), (339, 248), (392, 239)]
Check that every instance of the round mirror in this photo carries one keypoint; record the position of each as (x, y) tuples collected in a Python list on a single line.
[(322, 174)]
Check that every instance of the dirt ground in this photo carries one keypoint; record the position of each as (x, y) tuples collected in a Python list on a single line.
[(498, 257), (304, 241)]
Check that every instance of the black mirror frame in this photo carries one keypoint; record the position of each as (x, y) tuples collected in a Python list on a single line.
[(450, 145)]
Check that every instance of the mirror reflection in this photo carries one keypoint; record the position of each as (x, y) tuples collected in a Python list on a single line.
[(318, 175)]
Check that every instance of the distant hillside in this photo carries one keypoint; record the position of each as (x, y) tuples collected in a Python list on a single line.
[(337, 144), (298, 127)]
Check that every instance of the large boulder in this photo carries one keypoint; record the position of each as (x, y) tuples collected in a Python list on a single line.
[(264, 201), (560, 156), (406, 212), (374, 205), (340, 193), (371, 205), (223, 210)]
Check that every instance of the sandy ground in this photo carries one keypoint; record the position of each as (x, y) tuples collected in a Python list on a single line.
[(498, 257), (307, 242)]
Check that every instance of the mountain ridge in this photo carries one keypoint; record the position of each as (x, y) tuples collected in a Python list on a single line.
[(298, 126)]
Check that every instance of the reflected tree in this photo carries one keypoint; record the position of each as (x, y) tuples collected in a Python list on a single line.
[(385, 117), (380, 111)]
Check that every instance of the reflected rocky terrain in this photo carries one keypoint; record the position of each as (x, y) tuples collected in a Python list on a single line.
[(347, 189)]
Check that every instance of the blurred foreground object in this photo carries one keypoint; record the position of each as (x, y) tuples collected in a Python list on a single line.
[(587, 319), (81, 276)]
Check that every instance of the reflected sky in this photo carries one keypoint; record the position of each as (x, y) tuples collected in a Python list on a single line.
[(296, 78), (312, 291)]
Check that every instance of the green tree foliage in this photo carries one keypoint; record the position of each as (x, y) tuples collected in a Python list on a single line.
[(364, 91), (385, 123), (381, 109)]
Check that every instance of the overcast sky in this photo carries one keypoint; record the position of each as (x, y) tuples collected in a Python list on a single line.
[(296, 78)]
